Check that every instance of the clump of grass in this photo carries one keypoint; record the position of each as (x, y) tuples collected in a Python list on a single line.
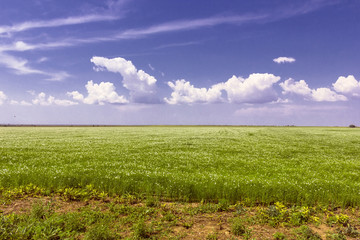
[(141, 230), (238, 228), (308, 233), (279, 236), (151, 201), (223, 205), (336, 236), (99, 232), (351, 231), (212, 236), (38, 210)]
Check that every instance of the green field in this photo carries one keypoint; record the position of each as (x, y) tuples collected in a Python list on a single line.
[(303, 165)]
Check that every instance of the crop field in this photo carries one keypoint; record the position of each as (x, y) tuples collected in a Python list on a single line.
[(300, 165)]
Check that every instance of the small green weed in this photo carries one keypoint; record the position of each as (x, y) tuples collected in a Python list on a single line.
[(99, 232), (151, 202), (307, 233), (336, 236), (212, 236), (141, 230), (38, 210), (238, 228), (279, 236), (223, 205), (351, 231)]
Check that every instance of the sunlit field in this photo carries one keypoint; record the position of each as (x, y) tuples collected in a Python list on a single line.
[(302, 165)]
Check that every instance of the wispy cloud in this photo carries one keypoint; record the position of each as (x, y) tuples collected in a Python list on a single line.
[(189, 25), (183, 25), (296, 8), (20, 46), (24, 26), (183, 44), (20, 66), (57, 76), (166, 27), (151, 67)]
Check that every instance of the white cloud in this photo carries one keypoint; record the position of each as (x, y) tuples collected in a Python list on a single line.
[(151, 67), (76, 95), (18, 64), (184, 92), (300, 87), (257, 88), (325, 94), (31, 92), (42, 59), (190, 24), (140, 84), (348, 86), (3, 97), (43, 100), (21, 103), (284, 60), (57, 76), (54, 23), (99, 94), (21, 67), (172, 26), (319, 95), (21, 46)]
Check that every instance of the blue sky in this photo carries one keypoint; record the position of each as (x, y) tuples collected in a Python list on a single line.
[(260, 62)]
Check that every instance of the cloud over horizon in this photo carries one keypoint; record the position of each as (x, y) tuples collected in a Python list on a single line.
[(257, 88), (348, 86), (101, 93), (141, 85), (3, 97), (43, 100), (319, 95)]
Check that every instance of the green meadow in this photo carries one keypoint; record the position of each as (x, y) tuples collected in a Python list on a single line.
[(300, 165)]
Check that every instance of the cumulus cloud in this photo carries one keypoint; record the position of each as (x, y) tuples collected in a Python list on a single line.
[(257, 88), (325, 94), (319, 95), (21, 103), (184, 92), (284, 60), (300, 87), (348, 86), (3, 97), (43, 100), (140, 84), (99, 94)]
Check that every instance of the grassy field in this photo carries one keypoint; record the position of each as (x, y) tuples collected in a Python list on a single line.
[(301, 165)]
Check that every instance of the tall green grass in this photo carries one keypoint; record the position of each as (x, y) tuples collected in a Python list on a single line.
[(262, 164)]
